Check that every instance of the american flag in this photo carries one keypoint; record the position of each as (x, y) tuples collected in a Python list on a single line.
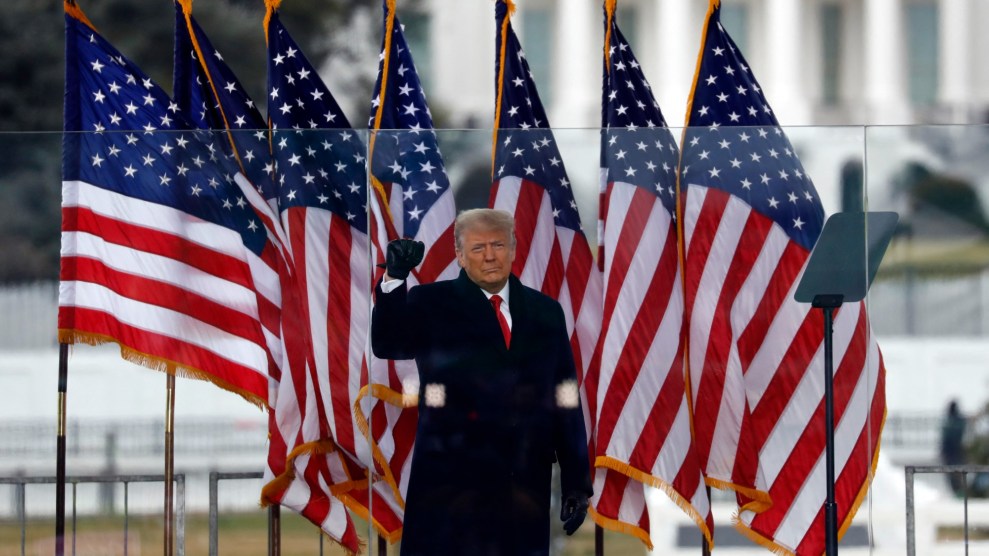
[(411, 198), (643, 431), (215, 99), (751, 217), (160, 254), (552, 253), (407, 163), (208, 92), (321, 195)]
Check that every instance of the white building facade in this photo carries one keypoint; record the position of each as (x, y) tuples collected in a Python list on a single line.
[(820, 62)]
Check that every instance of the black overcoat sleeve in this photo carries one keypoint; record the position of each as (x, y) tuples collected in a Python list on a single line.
[(395, 324), (570, 435)]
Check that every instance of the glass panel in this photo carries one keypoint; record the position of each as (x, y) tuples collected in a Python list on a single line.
[(926, 313)]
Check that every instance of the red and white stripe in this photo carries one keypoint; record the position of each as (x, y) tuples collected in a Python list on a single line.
[(314, 407), (388, 402), (317, 492), (642, 413), (756, 364), (331, 264), (168, 286), (554, 260), (306, 470), (439, 261)]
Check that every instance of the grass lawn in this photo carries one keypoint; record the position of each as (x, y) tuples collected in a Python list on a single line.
[(240, 534)]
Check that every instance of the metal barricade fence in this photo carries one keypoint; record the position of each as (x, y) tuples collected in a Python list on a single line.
[(20, 486), (214, 512), (274, 534), (910, 471), (20, 501)]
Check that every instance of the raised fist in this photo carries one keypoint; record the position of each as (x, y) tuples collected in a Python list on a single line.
[(402, 256)]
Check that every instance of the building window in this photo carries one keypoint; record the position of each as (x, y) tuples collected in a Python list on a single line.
[(415, 27), (735, 20), (922, 51), (537, 43), (831, 39)]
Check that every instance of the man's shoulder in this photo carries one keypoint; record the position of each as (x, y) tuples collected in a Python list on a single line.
[(532, 295), (439, 288), (537, 299)]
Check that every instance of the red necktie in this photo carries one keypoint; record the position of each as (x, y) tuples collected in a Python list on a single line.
[(502, 321)]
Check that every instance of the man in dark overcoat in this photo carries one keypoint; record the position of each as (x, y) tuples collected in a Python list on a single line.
[(498, 398)]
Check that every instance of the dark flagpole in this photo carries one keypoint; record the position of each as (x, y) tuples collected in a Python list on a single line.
[(274, 530), (169, 460), (598, 540), (63, 379), (828, 305), (705, 546)]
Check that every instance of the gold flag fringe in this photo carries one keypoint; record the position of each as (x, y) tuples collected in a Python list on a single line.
[(608, 462), (75, 11), (385, 63), (69, 336), (760, 500), (777, 548), (621, 527), (391, 536), (385, 394), (609, 10), (282, 482), (270, 7), (501, 79)]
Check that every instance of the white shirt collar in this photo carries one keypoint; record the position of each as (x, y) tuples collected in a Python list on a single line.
[(503, 293)]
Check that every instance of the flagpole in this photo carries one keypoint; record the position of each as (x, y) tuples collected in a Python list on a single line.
[(274, 530), (63, 376), (169, 460), (705, 542), (598, 540)]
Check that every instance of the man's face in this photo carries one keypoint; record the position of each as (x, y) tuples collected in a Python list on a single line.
[(487, 257)]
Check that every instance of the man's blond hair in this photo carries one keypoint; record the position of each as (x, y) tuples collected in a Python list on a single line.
[(486, 219)]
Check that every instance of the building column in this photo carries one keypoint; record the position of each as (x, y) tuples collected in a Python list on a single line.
[(886, 96), (956, 53), (466, 91), (672, 77), (577, 77), (783, 83)]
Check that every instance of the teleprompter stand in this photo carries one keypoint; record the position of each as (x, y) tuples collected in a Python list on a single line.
[(841, 268)]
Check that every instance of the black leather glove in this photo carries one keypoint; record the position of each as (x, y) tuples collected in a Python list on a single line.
[(402, 256), (574, 511)]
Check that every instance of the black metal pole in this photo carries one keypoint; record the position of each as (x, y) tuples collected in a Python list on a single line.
[(598, 540), (705, 546), (830, 507), (274, 530), (169, 462), (382, 546), (63, 379)]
